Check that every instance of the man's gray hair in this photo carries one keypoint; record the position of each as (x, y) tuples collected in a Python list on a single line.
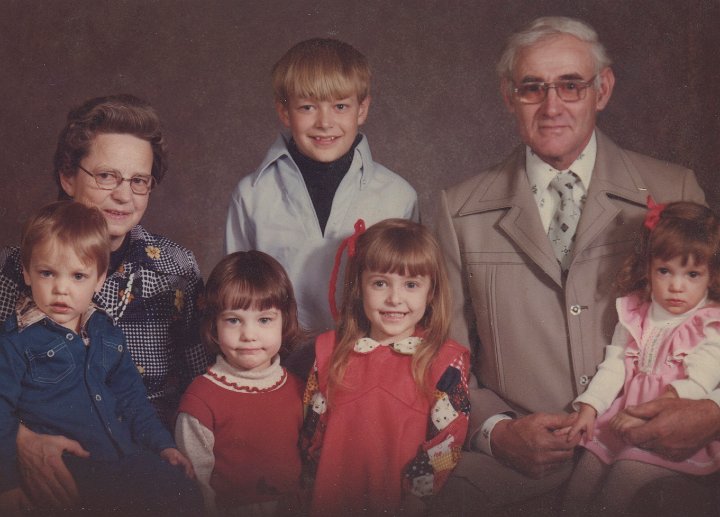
[(546, 27)]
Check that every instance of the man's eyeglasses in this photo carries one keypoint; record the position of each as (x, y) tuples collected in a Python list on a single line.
[(569, 90), (110, 180)]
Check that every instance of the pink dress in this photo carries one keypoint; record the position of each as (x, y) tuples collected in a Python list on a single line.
[(648, 370)]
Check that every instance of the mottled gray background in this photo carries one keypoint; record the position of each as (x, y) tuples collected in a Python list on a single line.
[(436, 115)]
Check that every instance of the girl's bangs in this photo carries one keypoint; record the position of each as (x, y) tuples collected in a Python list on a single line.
[(246, 295), (406, 257)]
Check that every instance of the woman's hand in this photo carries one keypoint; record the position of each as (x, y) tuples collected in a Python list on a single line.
[(46, 478)]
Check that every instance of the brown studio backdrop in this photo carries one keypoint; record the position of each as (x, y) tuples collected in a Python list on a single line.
[(436, 116)]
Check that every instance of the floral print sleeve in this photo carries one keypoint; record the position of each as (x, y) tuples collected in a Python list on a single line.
[(447, 426), (311, 435)]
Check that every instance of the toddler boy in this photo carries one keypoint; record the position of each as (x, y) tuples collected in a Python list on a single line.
[(65, 370), (315, 183)]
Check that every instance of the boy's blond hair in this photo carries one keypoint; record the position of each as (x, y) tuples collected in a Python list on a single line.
[(321, 68), (73, 224)]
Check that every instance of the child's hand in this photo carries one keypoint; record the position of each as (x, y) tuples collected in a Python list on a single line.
[(14, 503), (177, 459), (623, 421), (584, 422)]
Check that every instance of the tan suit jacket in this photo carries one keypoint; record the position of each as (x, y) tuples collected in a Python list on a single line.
[(537, 337)]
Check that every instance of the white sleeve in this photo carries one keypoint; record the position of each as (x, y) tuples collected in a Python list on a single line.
[(196, 442), (702, 365), (610, 376), (237, 233)]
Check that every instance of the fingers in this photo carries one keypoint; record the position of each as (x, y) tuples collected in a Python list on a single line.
[(52, 491), (75, 448)]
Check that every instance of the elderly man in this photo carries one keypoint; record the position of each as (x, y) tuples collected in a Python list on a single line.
[(532, 246)]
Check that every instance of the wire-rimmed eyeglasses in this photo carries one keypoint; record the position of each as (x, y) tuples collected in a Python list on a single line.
[(110, 180), (569, 90)]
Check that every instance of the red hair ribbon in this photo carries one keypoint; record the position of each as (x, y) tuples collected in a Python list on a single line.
[(653, 214), (348, 243)]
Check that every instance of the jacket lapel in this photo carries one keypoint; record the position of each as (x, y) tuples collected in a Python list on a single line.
[(506, 188), (614, 176)]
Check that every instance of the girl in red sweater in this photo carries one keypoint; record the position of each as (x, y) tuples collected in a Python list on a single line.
[(239, 423), (387, 397)]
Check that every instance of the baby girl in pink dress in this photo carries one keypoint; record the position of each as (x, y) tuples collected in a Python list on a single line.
[(666, 344)]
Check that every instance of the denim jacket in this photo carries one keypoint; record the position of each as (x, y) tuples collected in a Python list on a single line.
[(54, 383)]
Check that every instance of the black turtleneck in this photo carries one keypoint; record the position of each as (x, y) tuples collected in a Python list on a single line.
[(322, 179)]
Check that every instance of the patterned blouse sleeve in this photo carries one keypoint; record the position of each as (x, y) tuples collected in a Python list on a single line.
[(447, 426), (194, 355), (313, 430)]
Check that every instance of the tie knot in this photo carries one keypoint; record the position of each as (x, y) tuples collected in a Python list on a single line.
[(564, 181)]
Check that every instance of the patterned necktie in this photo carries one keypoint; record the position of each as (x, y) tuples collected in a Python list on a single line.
[(565, 186)]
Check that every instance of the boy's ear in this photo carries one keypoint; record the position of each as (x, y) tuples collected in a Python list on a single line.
[(283, 114), (26, 276), (363, 109)]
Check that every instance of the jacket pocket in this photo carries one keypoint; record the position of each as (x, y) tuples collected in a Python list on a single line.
[(111, 354), (51, 365)]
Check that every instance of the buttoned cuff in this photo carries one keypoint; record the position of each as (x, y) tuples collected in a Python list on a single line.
[(481, 442)]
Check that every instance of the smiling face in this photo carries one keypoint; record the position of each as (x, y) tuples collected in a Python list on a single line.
[(394, 304), (323, 130), (121, 207), (556, 130), (249, 339), (62, 285), (677, 287)]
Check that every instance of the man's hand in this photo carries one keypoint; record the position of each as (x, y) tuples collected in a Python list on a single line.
[(530, 444), (176, 458), (675, 428), (623, 422), (47, 480)]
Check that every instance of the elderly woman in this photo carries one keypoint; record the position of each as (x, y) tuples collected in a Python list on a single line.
[(111, 155)]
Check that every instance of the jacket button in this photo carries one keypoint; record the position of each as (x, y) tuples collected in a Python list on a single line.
[(98, 398), (584, 380), (119, 348), (51, 353), (575, 310), (69, 337)]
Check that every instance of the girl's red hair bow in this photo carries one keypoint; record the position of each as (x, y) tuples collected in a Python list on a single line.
[(653, 214), (348, 243)]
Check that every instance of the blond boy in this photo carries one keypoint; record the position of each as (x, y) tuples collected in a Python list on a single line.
[(316, 182)]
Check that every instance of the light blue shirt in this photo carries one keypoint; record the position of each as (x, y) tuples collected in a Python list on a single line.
[(271, 211)]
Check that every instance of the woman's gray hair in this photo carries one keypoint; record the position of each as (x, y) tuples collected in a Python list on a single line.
[(546, 27)]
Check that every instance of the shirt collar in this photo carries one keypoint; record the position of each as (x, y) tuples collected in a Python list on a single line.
[(660, 316), (541, 173), (279, 151), (227, 376), (28, 313)]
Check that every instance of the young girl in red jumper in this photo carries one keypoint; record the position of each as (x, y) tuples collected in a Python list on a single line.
[(239, 423), (387, 398)]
